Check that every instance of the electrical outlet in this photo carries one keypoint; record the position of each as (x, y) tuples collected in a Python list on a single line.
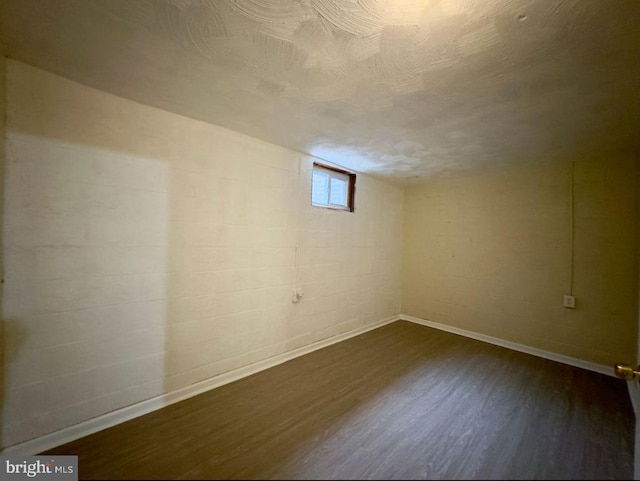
[(569, 301), (297, 295)]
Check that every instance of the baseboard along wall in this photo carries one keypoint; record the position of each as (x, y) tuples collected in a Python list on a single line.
[(71, 433)]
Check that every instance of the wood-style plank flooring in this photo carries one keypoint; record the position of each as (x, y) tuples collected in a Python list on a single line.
[(401, 402)]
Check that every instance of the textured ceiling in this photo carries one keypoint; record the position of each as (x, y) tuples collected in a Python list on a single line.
[(398, 88)]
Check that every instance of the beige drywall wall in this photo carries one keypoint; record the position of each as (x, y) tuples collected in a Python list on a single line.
[(491, 253), (146, 251)]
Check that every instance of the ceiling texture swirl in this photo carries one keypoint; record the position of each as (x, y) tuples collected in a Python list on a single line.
[(402, 89)]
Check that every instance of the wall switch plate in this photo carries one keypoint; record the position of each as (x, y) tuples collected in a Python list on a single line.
[(569, 301)]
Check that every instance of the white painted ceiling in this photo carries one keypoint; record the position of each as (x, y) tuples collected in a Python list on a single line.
[(404, 89)]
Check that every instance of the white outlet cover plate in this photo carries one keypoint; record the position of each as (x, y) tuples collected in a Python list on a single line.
[(569, 301)]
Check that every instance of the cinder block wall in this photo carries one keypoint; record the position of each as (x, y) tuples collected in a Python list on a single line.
[(491, 253), (145, 251)]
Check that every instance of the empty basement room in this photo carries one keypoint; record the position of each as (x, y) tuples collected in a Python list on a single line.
[(320, 239)]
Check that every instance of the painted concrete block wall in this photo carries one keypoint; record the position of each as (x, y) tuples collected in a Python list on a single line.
[(490, 253), (145, 251)]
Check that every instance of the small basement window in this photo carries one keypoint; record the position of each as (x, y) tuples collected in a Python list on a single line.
[(333, 188)]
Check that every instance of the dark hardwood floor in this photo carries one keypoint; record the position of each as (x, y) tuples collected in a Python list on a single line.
[(401, 402)]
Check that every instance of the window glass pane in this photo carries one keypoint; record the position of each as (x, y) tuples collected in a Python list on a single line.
[(332, 188), (338, 192), (320, 188)]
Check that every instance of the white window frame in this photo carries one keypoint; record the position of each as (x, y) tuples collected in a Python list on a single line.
[(334, 173)]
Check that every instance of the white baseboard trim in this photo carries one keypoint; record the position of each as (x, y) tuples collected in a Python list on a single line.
[(71, 433), (572, 361)]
